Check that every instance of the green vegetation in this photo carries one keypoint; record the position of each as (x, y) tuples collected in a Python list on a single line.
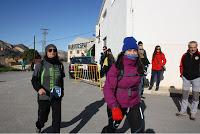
[(6, 69), (28, 55)]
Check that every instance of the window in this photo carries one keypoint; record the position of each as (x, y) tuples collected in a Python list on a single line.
[(105, 41), (82, 60), (104, 14), (99, 36), (112, 1), (70, 52), (77, 51)]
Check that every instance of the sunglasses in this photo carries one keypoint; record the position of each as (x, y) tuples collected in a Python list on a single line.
[(54, 50)]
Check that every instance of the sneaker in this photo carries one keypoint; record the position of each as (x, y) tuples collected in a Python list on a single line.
[(37, 130), (157, 88), (192, 116), (150, 87), (181, 114)]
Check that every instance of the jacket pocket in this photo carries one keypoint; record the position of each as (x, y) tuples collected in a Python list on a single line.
[(126, 96)]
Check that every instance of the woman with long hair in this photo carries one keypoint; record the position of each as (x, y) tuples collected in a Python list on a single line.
[(48, 82), (158, 63)]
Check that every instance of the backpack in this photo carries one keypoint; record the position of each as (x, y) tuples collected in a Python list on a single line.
[(121, 75)]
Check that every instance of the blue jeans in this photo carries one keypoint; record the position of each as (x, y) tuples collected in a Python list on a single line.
[(153, 74), (141, 86)]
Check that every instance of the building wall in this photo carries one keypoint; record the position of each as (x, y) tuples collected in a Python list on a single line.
[(2, 60), (168, 23), (171, 24), (74, 53), (112, 27), (173, 54), (81, 50), (7, 61), (19, 49)]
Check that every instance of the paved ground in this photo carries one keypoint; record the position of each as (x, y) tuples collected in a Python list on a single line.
[(83, 109)]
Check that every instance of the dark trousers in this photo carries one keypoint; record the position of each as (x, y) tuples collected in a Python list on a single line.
[(43, 112), (153, 74), (104, 71), (135, 118)]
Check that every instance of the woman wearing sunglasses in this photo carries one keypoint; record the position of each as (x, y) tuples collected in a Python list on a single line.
[(158, 62), (47, 80)]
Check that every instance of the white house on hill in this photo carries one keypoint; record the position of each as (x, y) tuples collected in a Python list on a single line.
[(168, 23)]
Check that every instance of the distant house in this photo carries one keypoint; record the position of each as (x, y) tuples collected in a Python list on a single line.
[(168, 23), (9, 53), (80, 47), (20, 47)]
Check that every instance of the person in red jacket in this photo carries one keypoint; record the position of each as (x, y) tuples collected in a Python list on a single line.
[(158, 62)]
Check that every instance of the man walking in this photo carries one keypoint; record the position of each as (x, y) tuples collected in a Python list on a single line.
[(102, 58), (143, 56), (190, 73)]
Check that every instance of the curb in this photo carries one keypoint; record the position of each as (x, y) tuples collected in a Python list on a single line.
[(163, 91)]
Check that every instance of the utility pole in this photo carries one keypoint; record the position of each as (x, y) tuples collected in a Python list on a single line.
[(44, 38), (34, 49)]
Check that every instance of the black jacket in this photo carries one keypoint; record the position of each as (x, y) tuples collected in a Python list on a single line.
[(47, 75), (190, 65)]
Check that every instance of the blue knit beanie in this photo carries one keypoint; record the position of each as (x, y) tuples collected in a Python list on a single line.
[(129, 43)]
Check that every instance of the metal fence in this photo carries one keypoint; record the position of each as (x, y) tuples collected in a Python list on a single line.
[(88, 73)]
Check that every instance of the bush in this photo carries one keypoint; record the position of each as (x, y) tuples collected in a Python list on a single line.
[(6, 69)]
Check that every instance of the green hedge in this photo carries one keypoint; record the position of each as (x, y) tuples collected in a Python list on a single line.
[(6, 69)]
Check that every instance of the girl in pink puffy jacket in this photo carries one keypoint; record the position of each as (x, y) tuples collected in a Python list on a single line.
[(121, 91)]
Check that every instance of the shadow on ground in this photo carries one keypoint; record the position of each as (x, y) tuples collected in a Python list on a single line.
[(176, 96), (125, 126), (83, 117)]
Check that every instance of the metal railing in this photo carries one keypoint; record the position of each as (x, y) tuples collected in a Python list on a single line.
[(88, 73)]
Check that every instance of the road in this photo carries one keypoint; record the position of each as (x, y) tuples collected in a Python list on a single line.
[(83, 109)]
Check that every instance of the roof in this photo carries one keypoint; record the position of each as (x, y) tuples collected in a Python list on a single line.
[(79, 40), (22, 46)]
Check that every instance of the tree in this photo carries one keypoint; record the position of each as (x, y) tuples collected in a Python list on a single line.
[(28, 55)]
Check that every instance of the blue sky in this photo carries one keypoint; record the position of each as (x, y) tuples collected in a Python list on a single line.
[(20, 20)]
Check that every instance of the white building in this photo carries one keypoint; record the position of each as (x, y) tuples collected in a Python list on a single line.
[(81, 46), (168, 23)]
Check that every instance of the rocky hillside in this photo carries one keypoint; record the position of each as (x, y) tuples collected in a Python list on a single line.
[(9, 50), (62, 55)]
